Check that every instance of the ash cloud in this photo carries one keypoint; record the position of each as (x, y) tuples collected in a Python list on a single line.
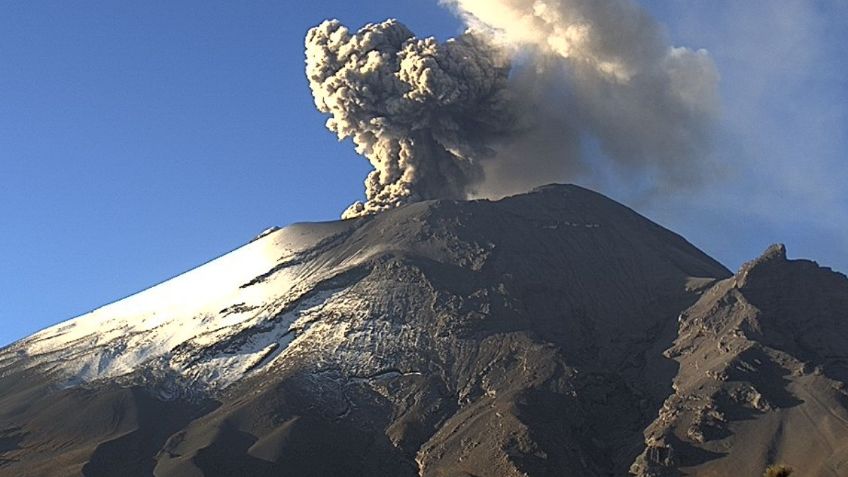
[(424, 113), (514, 102)]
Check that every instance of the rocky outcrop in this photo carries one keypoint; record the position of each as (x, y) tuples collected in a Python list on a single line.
[(762, 359)]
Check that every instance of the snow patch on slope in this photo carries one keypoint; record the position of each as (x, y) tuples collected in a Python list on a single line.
[(261, 348), (241, 292)]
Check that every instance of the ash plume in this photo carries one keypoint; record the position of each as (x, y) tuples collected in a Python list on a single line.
[(605, 69), (516, 101), (424, 113)]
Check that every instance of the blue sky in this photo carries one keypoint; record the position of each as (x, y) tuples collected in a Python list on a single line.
[(141, 139)]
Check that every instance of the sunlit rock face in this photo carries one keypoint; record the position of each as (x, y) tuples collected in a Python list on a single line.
[(550, 333)]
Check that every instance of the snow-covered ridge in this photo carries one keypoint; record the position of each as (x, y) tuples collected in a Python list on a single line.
[(169, 323), (321, 293)]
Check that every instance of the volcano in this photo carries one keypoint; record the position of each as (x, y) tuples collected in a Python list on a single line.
[(545, 334)]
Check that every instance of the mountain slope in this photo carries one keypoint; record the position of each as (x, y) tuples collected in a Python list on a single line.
[(524, 336), (199, 308), (763, 365)]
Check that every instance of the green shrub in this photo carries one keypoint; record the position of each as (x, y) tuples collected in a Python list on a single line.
[(778, 471)]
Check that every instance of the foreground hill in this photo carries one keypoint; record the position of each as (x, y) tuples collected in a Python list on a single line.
[(547, 334)]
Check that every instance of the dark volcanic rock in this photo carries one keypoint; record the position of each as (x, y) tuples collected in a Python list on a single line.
[(519, 337)]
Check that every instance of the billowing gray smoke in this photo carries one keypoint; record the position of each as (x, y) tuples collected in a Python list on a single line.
[(424, 113), (517, 101), (603, 69)]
